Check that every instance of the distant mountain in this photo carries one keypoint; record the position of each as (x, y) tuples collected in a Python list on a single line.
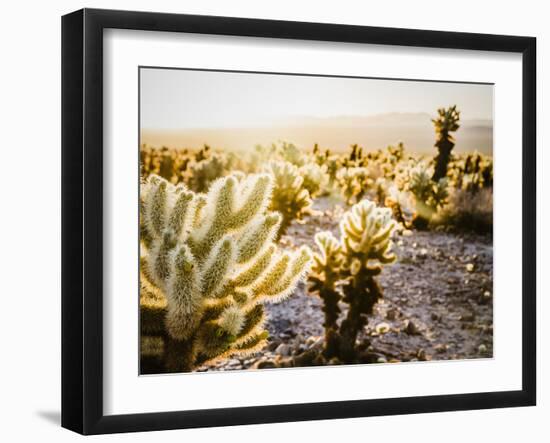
[(415, 130)]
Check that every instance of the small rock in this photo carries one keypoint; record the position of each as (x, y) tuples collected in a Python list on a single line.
[(421, 355), (411, 328), (284, 350), (441, 348), (381, 360), (482, 349), (485, 297), (391, 314), (264, 364), (470, 267), (273, 345), (435, 317), (290, 332)]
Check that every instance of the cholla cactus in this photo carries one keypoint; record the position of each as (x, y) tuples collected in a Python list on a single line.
[(332, 164), (355, 157), (402, 205), (352, 262), (429, 196), (471, 172), (315, 178), (290, 198), (444, 124), (211, 264), (290, 153), (260, 156), (169, 163), (204, 172), (354, 183)]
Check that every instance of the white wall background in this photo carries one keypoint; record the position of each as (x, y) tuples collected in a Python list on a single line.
[(30, 218)]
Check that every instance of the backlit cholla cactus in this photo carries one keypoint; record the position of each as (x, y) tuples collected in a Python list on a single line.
[(169, 163), (471, 172), (345, 270), (290, 198), (289, 152), (212, 260), (204, 172), (354, 183), (355, 157), (429, 196), (333, 166), (315, 178), (402, 205), (445, 123)]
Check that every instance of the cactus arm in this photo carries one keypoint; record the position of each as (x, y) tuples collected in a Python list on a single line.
[(258, 237), (252, 273), (216, 267)]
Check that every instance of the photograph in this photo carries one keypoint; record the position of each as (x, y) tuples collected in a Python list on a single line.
[(292, 220)]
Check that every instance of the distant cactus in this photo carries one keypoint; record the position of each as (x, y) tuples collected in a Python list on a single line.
[(206, 171), (315, 178), (354, 183), (290, 153), (351, 264), (444, 124), (208, 264), (333, 166), (203, 153), (355, 157), (429, 196), (260, 156), (169, 163), (471, 172), (290, 198), (401, 204)]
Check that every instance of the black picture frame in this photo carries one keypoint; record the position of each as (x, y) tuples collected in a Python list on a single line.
[(82, 218)]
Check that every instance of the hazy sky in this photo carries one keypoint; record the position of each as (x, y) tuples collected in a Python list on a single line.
[(180, 99)]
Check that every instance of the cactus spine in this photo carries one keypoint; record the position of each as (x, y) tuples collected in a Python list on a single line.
[(212, 260), (345, 270)]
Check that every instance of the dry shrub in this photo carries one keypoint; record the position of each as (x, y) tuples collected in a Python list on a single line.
[(467, 211)]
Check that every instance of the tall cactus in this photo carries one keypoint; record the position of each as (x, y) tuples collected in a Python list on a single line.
[(345, 270), (290, 198), (211, 259), (444, 124)]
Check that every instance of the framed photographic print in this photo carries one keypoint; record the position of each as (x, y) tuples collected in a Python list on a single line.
[(269, 221)]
